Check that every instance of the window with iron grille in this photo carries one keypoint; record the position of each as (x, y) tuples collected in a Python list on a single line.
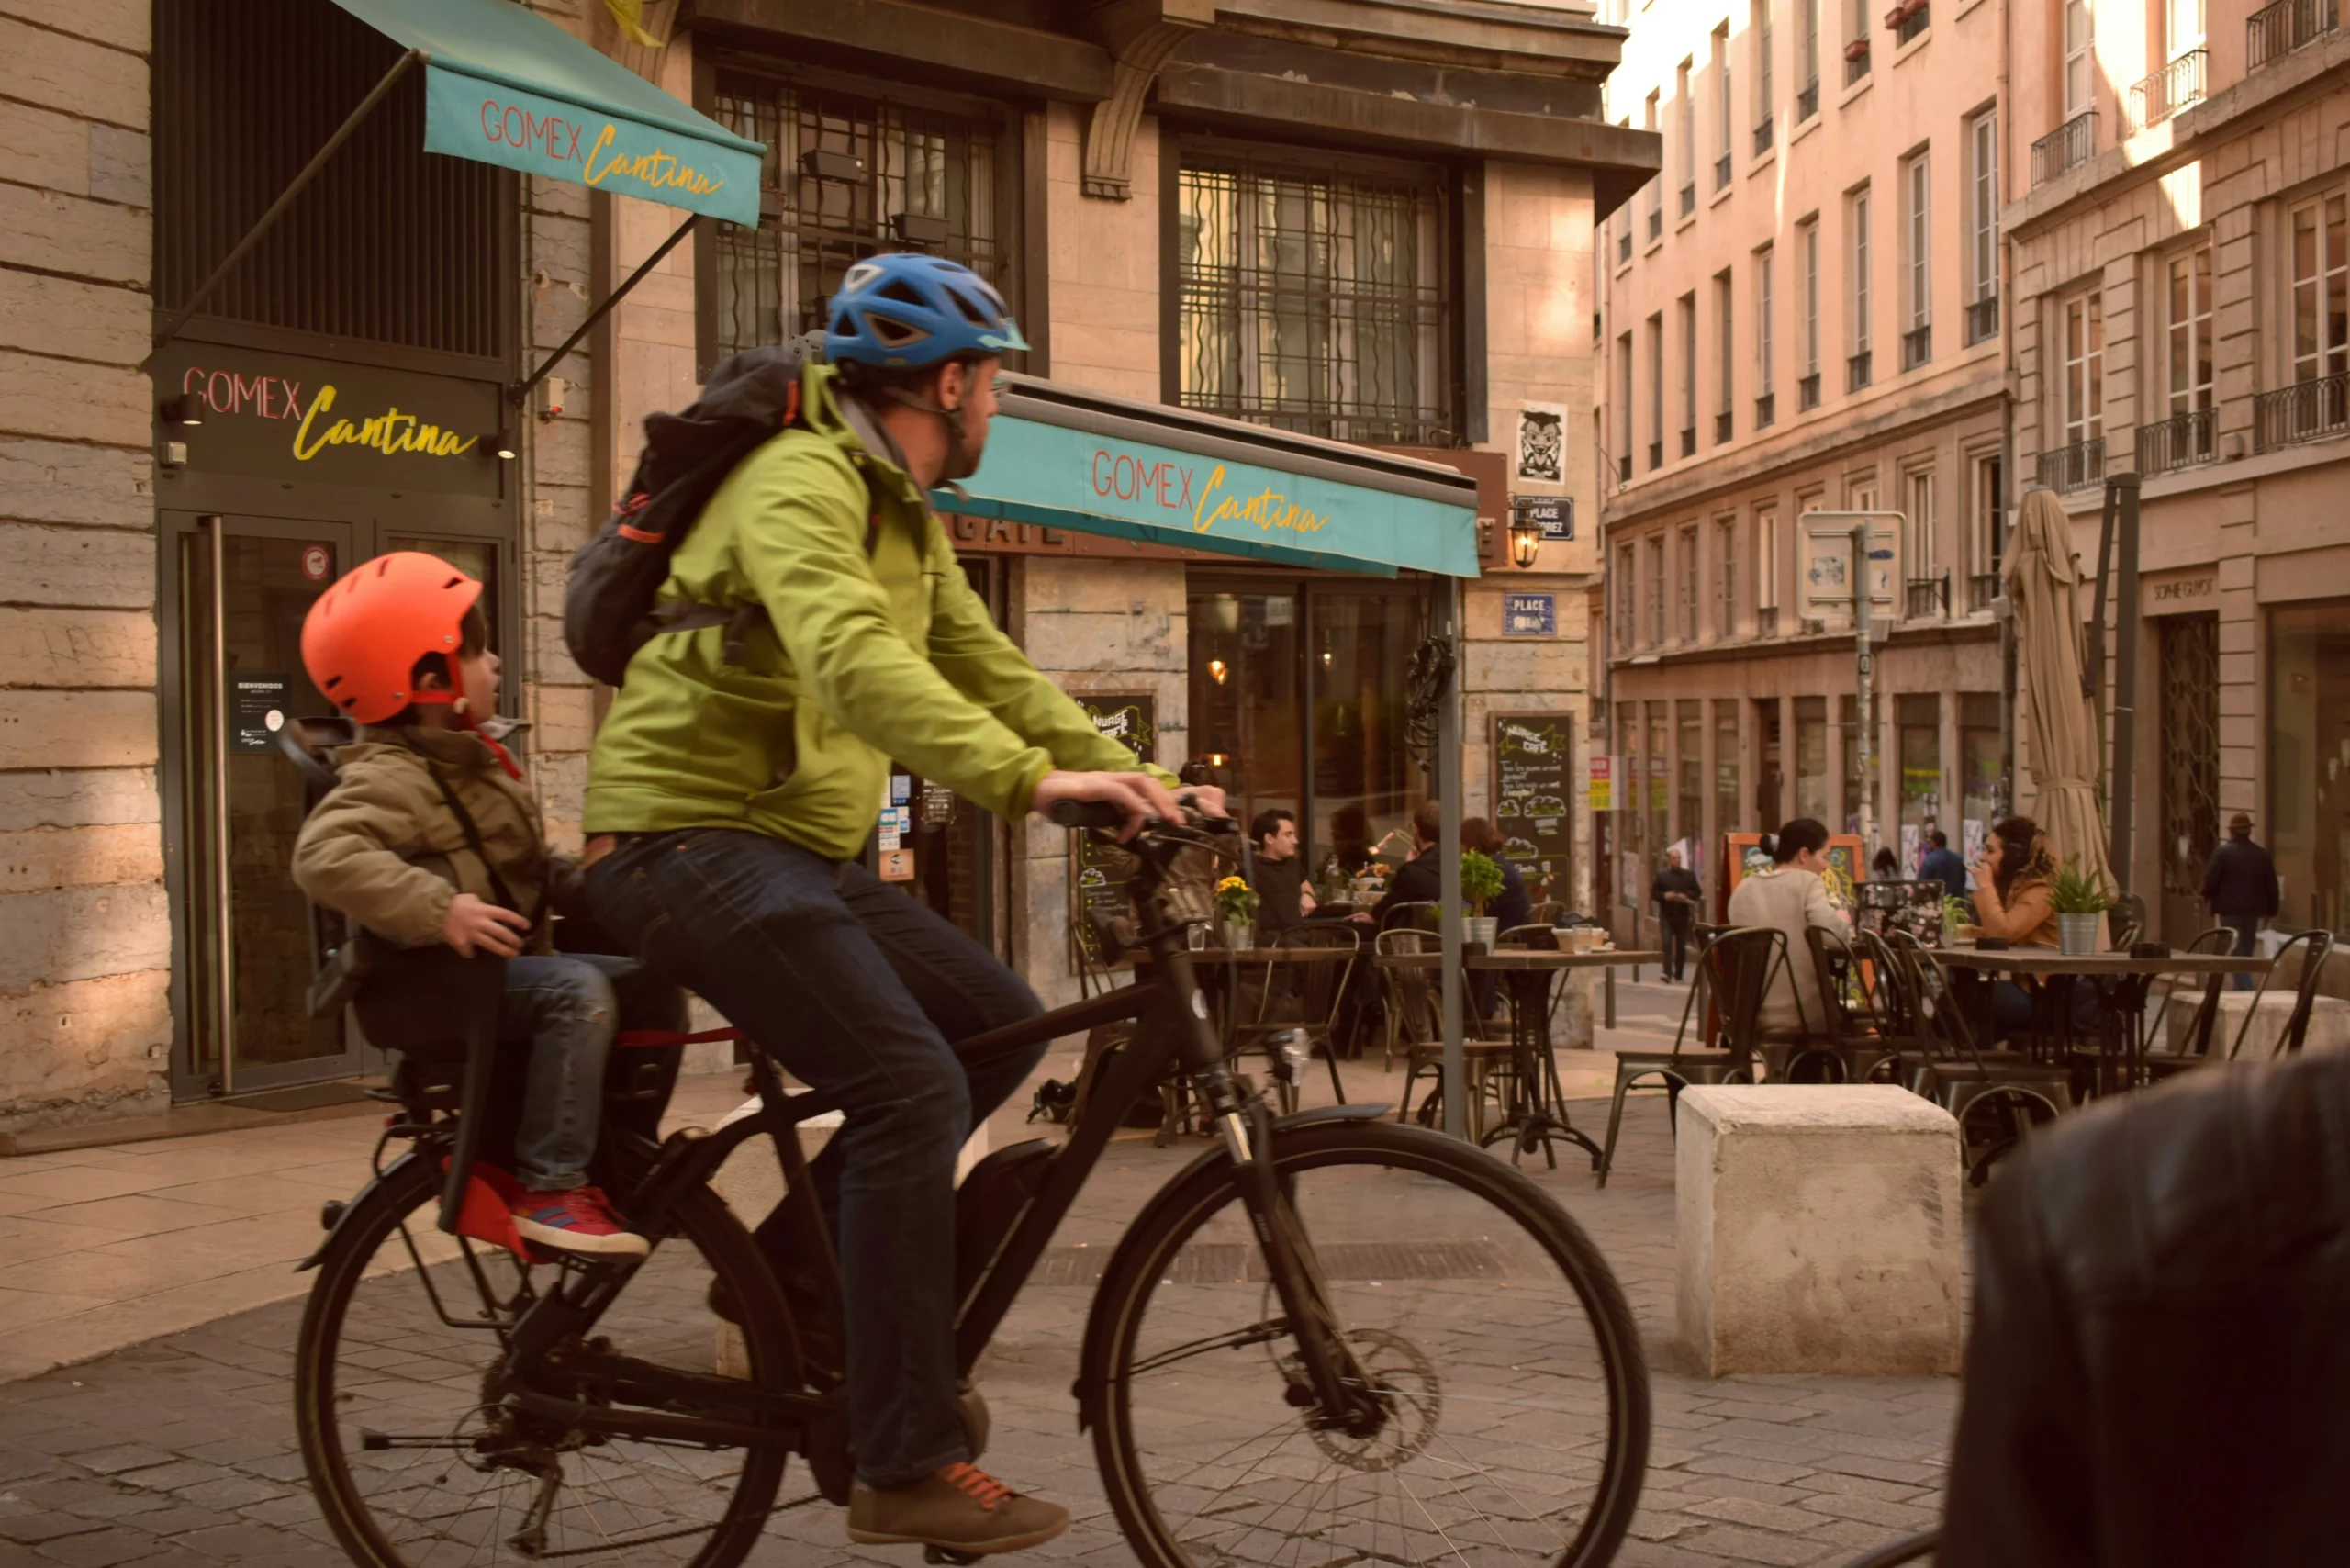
[(844, 177), (387, 246), (1315, 300)]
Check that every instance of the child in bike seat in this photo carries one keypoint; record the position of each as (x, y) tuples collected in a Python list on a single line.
[(432, 836)]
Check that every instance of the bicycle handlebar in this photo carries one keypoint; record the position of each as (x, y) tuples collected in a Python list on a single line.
[(1111, 818)]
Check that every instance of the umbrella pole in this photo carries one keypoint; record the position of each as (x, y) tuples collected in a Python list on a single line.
[(1867, 717), (1449, 906)]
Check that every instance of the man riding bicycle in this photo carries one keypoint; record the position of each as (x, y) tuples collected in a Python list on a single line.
[(730, 796)]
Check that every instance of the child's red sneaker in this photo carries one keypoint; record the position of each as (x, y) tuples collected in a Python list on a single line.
[(578, 1220)]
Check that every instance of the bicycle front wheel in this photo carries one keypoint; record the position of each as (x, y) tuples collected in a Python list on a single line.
[(1515, 1395), (418, 1462)]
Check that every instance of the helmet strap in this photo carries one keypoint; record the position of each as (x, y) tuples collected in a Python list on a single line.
[(954, 417)]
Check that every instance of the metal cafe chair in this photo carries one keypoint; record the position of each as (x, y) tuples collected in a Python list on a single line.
[(2314, 945), (1857, 1042), (1735, 964), (2006, 1090), (1304, 998), (2162, 1062), (1414, 1022)]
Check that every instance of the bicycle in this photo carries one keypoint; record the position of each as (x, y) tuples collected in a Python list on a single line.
[(1327, 1335)]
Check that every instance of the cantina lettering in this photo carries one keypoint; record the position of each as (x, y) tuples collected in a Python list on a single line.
[(557, 140), (280, 397), (1268, 510)]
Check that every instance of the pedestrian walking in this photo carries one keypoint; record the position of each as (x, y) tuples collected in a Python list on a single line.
[(1943, 864), (1674, 892), (2241, 887)]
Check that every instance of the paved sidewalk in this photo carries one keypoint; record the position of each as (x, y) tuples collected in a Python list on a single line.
[(179, 1453)]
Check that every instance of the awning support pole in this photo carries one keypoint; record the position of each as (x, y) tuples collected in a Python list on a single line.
[(1449, 906), (522, 389), (278, 209)]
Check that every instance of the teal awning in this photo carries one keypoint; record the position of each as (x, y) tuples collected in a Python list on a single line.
[(1063, 457), (503, 85)]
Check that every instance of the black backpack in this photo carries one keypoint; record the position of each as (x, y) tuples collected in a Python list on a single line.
[(610, 601)]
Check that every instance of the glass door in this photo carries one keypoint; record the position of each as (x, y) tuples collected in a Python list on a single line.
[(251, 941)]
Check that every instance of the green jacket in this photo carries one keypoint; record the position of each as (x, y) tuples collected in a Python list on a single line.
[(875, 649)]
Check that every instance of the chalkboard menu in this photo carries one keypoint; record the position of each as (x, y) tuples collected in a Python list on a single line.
[(1533, 782), (1096, 870)]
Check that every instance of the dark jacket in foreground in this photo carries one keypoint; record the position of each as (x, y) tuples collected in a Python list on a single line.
[(2159, 1375), (2241, 880)]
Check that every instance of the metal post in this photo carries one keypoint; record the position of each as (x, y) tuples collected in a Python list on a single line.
[(216, 756), (522, 389), (2125, 674), (1864, 721), (1449, 909)]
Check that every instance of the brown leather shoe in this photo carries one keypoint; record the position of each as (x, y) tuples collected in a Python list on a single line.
[(960, 1509)]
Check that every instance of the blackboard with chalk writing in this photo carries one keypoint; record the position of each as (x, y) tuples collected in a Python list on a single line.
[(1095, 869), (1534, 783)]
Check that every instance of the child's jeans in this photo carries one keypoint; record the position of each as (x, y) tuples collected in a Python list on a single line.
[(563, 1004)]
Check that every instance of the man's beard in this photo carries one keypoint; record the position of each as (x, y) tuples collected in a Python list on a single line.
[(962, 459)]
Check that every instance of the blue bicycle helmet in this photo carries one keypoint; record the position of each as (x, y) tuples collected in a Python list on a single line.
[(904, 310)]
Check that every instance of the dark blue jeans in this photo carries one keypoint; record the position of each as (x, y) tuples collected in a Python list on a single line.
[(2247, 930), (857, 990), (563, 1005)]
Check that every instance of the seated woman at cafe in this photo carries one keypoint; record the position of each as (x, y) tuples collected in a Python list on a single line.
[(1513, 908), (2015, 900)]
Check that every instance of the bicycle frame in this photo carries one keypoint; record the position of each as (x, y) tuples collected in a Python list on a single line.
[(1176, 1028)]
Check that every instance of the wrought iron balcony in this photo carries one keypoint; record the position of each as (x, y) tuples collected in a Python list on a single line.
[(1766, 409), (1688, 198), (1807, 393), (2277, 30), (1724, 427), (2307, 410), (1908, 21), (1656, 455), (1762, 137), (1807, 101), (1982, 319), (1981, 590), (2167, 91), (1689, 442), (1927, 598), (1856, 371), (2070, 143), (2074, 467), (2181, 442), (1766, 621), (1917, 346)]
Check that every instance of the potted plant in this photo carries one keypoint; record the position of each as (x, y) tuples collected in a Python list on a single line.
[(1235, 913), (1958, 921), (1480, 883), (2079, 897)]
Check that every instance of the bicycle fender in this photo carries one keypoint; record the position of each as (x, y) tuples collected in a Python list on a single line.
[(1331, 1114), (342, 1216)]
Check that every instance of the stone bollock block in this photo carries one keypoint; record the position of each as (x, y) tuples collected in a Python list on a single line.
[(1819, 1230)]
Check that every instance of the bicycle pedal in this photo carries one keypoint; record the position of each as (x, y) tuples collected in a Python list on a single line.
[(949, 1555)]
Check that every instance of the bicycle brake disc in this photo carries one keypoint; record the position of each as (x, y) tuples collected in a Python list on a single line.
[(1406, 1386)]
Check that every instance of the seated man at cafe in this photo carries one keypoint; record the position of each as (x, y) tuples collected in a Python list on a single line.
[(1283, 898), (1790, 898), (1416, 880)]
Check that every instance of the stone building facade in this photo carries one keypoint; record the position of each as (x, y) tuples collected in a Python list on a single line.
[(2181, 313), (1137, 177), (1803, 314)]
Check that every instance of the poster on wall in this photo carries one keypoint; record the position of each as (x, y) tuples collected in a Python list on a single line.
[(1542, 442), (1132, 720), (1533, 785)]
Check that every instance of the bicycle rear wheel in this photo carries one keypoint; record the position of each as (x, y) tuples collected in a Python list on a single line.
[(1516, 1395), (418, 1463)]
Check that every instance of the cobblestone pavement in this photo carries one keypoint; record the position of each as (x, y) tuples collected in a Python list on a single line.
[(181, 1451)]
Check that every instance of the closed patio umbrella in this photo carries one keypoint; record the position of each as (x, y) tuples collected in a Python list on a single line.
[(2044, 580)]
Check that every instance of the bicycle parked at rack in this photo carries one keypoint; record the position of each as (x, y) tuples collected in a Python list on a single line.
[(1328, 1337)]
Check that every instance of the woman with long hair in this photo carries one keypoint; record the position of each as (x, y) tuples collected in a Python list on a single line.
[(2015, 898)]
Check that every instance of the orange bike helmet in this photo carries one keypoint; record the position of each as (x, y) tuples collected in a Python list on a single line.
[(363, 636)]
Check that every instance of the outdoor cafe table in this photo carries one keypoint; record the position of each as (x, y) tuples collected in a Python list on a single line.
[(1538, 1109), (2123, 980)]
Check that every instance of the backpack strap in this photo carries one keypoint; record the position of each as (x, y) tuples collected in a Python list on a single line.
[(504, 894)]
